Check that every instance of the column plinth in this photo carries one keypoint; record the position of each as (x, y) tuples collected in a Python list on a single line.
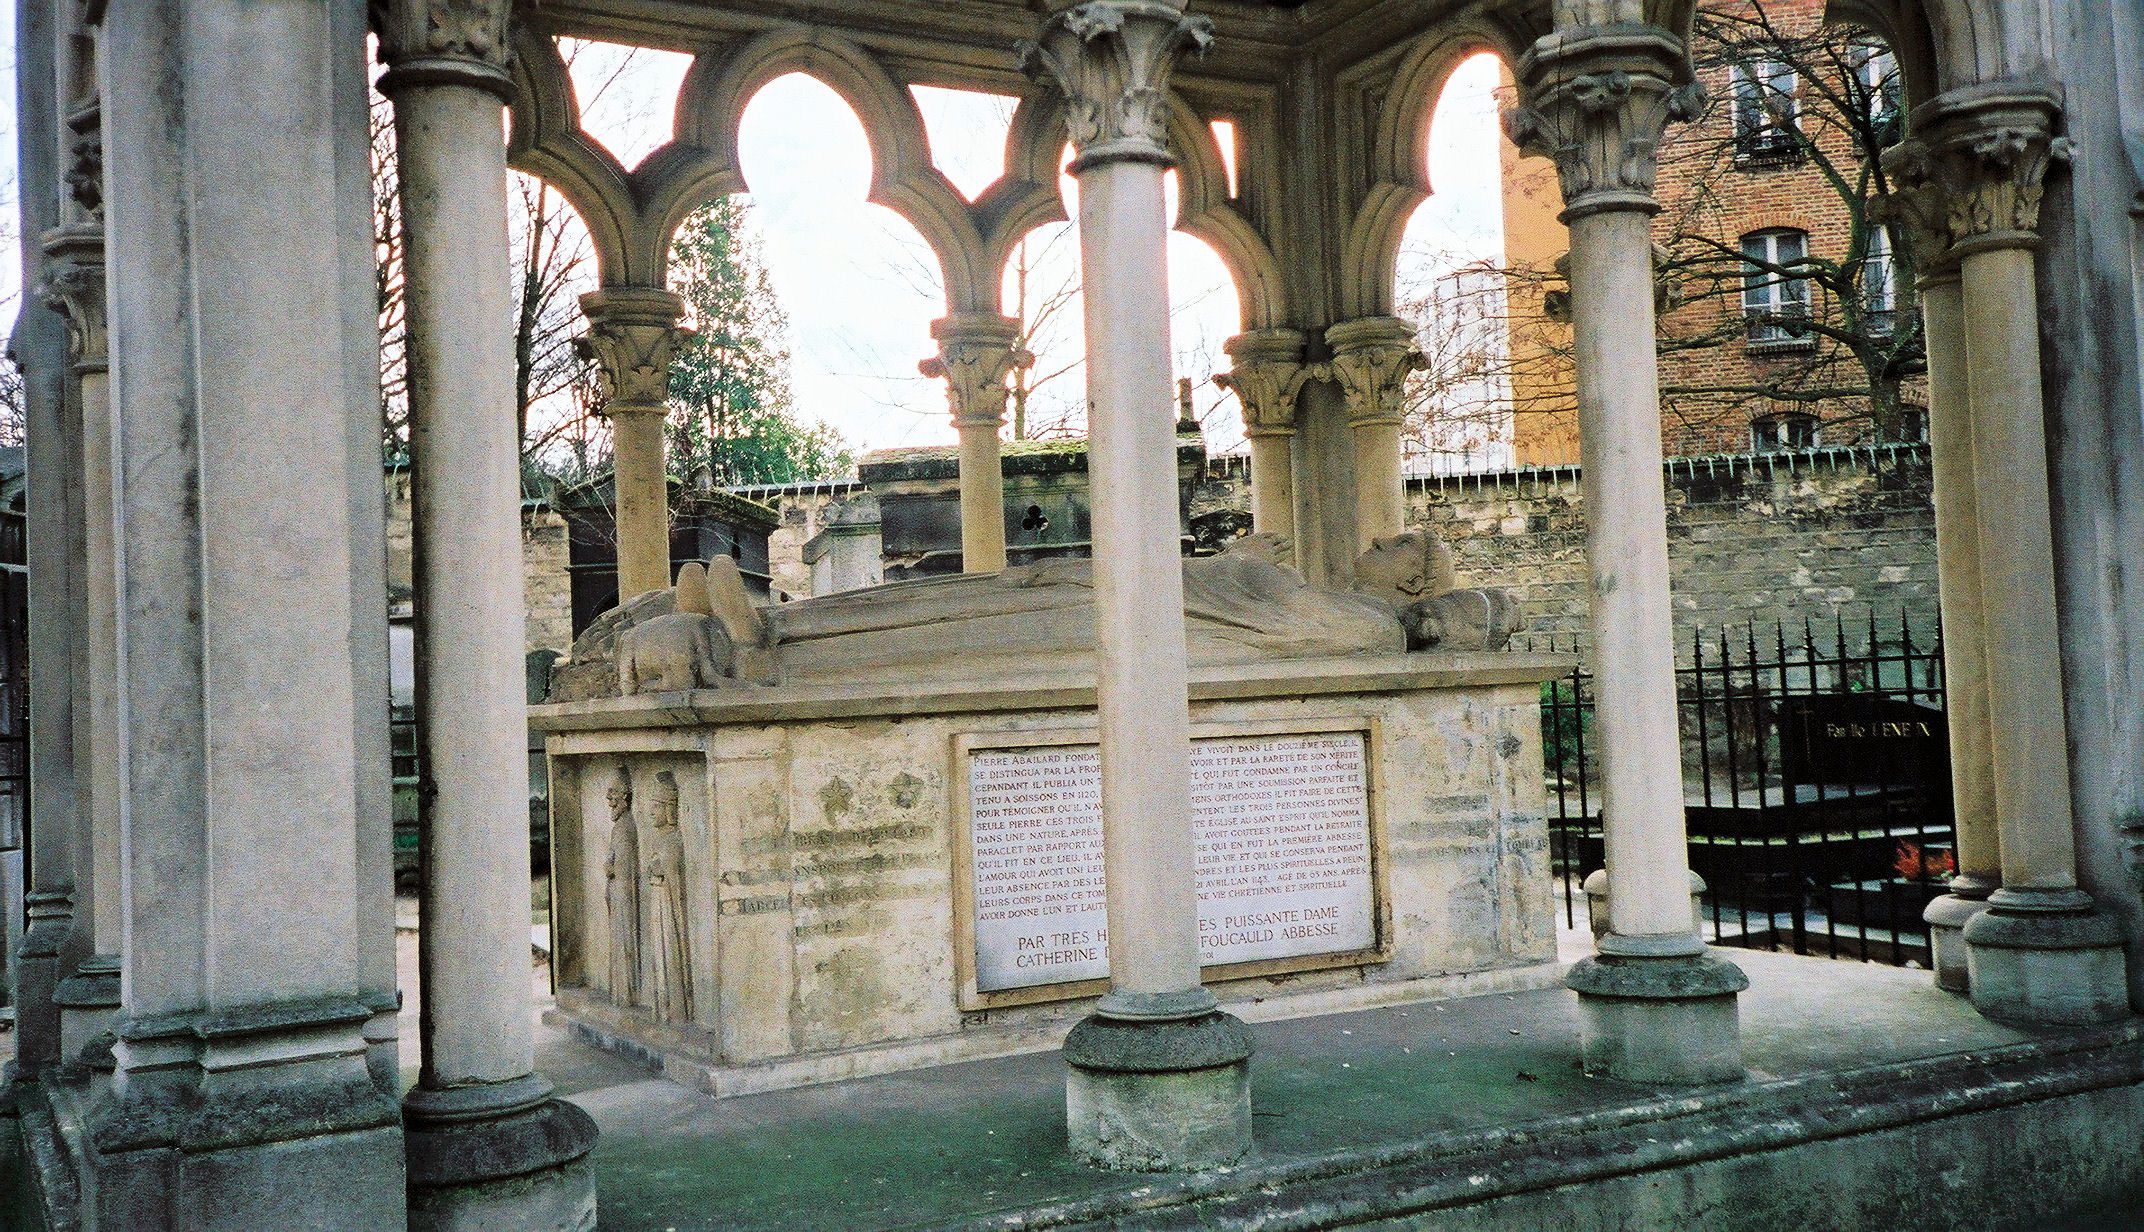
[(487, 1144), (2040, 952), (1158, 1078), (1656, 1005), (976, 352)]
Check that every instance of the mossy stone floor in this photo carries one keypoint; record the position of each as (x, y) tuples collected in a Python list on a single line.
[(970, 1140)]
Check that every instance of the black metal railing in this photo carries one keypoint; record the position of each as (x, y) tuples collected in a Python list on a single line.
[(1816, 783)]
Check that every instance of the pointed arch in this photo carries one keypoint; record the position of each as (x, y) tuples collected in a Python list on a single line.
[(545, 140)]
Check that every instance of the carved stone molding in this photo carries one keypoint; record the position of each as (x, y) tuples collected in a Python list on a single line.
[(975, 355), (1917, 210), (85, 161), (1372, 359), (444, 42), (1112, 60), (1268, 374), (632, 335), (1989, 148), (1596, 102), (73, 286)]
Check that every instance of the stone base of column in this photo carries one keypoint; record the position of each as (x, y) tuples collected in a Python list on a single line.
[(244, 1120), (1659, 1010), (89, 1003), (499, 1156), (2046, 957), (1946, 918), (383, 1041), (1147, 1093), (38, 976)]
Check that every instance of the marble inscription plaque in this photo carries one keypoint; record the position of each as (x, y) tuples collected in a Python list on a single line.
[(1283, 832)]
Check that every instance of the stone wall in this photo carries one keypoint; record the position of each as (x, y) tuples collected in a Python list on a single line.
[(544, 559), (1768, 537)]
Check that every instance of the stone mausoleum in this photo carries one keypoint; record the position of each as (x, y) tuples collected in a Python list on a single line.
[(1130, 865)]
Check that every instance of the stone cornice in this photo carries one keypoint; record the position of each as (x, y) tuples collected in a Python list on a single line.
[(444, 42), (976, 352), (73, 286), (1990, 147), (1372, 359), (1112, 59), (1595, 101), (1268, 374), (632, 335)]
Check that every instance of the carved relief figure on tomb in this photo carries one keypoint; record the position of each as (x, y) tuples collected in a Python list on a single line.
[(621, 888), (1242, 606), (669, 955)]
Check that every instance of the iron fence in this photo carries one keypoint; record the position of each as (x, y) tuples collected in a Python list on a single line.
[(1816, 784)]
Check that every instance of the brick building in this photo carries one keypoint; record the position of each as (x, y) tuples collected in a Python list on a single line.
[(1785, 300)]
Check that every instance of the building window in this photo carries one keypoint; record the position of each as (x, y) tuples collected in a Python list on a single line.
[(1879, 90), (1767, 121), (1774, 298), (1879, 282), (1912, 426), (1776, 432)]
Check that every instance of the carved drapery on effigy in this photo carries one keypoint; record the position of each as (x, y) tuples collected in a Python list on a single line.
[(1112, 59), (1596, 102), (669, 950), (621, 893)]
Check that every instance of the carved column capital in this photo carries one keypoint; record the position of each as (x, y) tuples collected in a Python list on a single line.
[(73, 286), (1269, 372), (1596, 102), (976, 352), (1112, 60), (1990, 148), (444, 42), (632, 334), (1917, 210), (1372, 359)]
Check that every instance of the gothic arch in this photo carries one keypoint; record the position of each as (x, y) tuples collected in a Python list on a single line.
[(545, 140), (1398, 166)]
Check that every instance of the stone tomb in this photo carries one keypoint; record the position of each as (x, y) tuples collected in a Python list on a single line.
[(840, 910)]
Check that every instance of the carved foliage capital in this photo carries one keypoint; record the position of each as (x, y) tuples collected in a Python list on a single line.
[(1917, 209), (1372, 359), (437, 37), (1596, 103), (1990, 152), (632, 335), (975, 355), (1112, 60), (73, 286), (1268, 375)]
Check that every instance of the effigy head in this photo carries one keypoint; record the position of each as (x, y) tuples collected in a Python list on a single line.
[(1405, 568), (620, 793)]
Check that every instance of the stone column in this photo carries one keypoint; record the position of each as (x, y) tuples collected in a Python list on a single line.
[(1268, 375), (74, 284), (242, 1092), (1918, 212), (488, 1145), (53, 940), (632, 334), (2041, 952), (976, 352), (1159, 1079), (1372, 358), (1656, 1005)]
